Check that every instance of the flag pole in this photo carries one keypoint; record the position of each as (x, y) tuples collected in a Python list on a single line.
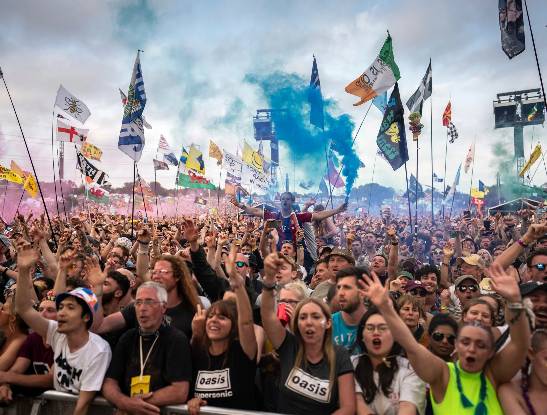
[(142, 192), (408, 198), (432, 186), (472, 169), (372, 182), (31, 162), (445, 155), (5, 192), (328, 170), (535, 53), (53, 162), (417, 164), (133, 208), (155, 187)]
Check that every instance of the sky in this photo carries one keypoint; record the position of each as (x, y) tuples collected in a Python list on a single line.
[(199, 57)]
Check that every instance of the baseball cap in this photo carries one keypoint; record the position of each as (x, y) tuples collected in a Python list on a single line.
[(5, 241), (288, 259), (486, 286), (405, 274), (343, 253), (414, 284), (252, 260), (473, 259), (532, 286), (84, 294), (459, 280)]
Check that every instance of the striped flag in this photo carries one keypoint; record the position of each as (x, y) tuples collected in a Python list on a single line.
[(416, 101), (378, 78)]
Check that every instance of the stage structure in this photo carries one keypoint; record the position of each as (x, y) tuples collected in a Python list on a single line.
[(265, 130), (516, 110)]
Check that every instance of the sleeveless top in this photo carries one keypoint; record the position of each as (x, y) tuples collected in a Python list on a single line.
[(471, 382)]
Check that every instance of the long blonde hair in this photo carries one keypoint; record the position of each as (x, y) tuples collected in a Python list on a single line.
[(319, 226), (328, 347)]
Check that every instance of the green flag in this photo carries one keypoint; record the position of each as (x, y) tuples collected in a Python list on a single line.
[(97, 195), (194, 181)]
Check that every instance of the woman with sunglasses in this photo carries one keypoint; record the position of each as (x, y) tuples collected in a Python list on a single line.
[(385, 383), (225, 365), (468, 386), (14, 327), (411, 311), (442, 336), (316, 376)]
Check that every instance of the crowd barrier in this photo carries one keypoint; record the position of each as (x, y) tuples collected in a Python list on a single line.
[(59, 403)]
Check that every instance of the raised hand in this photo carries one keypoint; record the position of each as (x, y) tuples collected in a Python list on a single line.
[(234, 202), (448, 250), (250, 226), (191, 232), (92, 269), (27, 256), (267, 228), (198, 323), (534, 232), (504, 284), (230, 265), (272, 264), (144, 235), (374, 290), (66, 260)]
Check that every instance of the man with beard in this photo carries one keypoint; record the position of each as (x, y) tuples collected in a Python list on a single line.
[(369, 250), (338, 259), (352, 308), (115, 288)]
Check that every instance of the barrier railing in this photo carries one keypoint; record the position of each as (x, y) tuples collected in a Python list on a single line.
[(59, 403)]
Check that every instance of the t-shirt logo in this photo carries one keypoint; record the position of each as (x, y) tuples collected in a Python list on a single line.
[(305, 384), (66, 374), (217, 380)]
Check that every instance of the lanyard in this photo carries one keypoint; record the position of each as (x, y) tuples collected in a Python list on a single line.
[(147, 356)]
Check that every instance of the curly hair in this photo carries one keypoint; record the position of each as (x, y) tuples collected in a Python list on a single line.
[(185, 287)]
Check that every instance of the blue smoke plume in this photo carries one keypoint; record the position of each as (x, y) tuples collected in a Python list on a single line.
[(282, 90)]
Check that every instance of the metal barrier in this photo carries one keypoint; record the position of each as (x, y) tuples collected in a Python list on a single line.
[(59, 403)]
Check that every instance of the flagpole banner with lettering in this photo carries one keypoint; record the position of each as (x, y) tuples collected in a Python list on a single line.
[(252, 158), (452, 191), (511, 18), (470, 156), (131, 140), (533, 158), (70, 134), (424, 91), (251, 176), (96, 175), (391, 138), (72, 105), (378, 78), (7, 174), (315, 98), (92, 152), (31, 186), (232, 164)]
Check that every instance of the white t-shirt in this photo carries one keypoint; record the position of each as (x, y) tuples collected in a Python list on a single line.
[(406, 387), (83, 370)]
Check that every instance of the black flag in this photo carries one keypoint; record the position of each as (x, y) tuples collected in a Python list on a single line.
[(511, 20), (391, 138), (414, 185)]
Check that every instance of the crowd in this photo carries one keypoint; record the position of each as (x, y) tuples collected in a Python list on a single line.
[(287, 310)]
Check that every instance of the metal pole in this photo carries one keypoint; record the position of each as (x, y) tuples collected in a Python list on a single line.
[(416, 223), (408, 193), (432, 172), (372, 182), (535, 53), (133, 209)]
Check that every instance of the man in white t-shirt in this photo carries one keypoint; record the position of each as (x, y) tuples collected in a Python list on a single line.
[(81, 358)]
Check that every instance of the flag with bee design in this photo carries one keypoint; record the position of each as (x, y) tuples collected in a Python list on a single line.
[(72, 105)]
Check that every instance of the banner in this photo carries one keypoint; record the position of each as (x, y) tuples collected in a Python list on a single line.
[(478, 202), (511, 20), (476, 193), (251, 176), (252, 158), (31, 186), (470, 156), (7, 174), (424, 91), (92, 152), (533, 158), (315, 98), (97, 194), (160, 165), (72, 105), (447, 115), (91, 172), (143, 204), (195, 160), (232, 164), (70, 134), (194, 181)]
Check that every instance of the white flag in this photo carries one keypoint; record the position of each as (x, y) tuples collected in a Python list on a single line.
[(251, 176), (231, 164), (470, 156), (124, 101), (416, 101), (163, 146), (72, 105), (70, 134)]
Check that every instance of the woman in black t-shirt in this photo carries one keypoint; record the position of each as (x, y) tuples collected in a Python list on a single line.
[(225, 368), (316, 376)]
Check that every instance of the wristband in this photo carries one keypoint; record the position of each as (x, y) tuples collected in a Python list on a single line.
[(143, 243), (269, 286), (522, 243), (445, 264), (143, 252), (395, 243)]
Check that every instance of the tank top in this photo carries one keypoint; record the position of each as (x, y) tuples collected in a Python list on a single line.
[(451, 404)]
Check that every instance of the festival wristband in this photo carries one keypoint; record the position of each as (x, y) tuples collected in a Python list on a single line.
[(522, 243), (268, 286)]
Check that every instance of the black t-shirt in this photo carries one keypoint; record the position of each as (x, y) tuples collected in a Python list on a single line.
[(181, 317), (306, 390), (229, 384), (170, 360)]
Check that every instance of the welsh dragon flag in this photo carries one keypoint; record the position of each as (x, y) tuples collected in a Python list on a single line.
[(378, 78), (97, 194)]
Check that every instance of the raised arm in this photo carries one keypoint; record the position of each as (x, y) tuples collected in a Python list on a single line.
[(60, 282), (274, 329), (244, 311), (143, 260), (248, 209), (263, 246), (393, 254), (505, 364), (430, 368), (26, 259), (328, 213), (511, 254), (448, 251), (38, 235)]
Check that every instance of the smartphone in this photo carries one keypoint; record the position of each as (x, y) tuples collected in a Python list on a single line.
[(487, 225), (275, 224), (467, 214)]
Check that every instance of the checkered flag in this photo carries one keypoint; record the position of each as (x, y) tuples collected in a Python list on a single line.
[(452, 132)]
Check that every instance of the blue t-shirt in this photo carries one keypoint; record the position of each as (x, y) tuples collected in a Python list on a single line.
[(344, 335)]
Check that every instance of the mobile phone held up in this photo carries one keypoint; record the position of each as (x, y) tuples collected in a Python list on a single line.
[(275, 224)]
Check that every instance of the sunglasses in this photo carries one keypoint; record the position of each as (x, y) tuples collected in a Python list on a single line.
[(241, 264), (382, 328), (472, 288), (8, 292), (438, 337), (421, 293), (437, 252), (539, 267)]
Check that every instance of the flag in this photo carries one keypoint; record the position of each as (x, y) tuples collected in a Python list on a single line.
[(183, 158), (232, 164), (194, 181), (415, 190), (97, 194), (380, 102), (533, 158), (304, 185), (124, 102), (447, 115), (416, 101), (252, 158), (168, 155), (452, 190), (334, 176), (141, 187), (143, 204), (315, 99), (31, 186), (92, 173), (160, 165), (17, 170), (470, 156), (447, 190), (391, 138), (476, 193), (533, 113), (437, 178), (511, 21), (231, 184), (70, 134), (131, 140), (195, 160), (92, 152), (72, 105), (483, 188), (251, 176), (7, 174), (452, 132), (230, 189), (479, 202), (323, 187), (214, 152), (378, 78)]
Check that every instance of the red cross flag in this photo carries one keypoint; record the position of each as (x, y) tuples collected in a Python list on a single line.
[(70, 134)]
